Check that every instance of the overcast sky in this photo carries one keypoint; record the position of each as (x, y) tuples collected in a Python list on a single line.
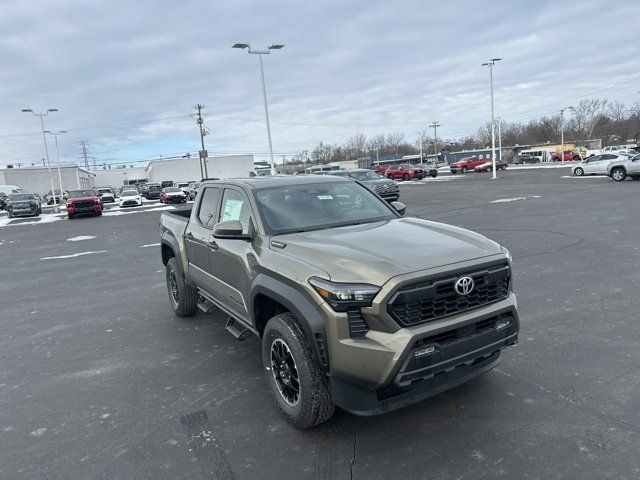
[(125, 75)]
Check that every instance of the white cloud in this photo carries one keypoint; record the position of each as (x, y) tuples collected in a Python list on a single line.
[(125, 75)]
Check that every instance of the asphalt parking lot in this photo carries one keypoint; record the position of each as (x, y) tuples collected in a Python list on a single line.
[(98, 378)]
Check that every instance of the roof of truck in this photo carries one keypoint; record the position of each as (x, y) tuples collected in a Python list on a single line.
[(268, 181)]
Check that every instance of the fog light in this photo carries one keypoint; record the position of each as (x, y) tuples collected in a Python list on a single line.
[(502, 325), (424, 351)]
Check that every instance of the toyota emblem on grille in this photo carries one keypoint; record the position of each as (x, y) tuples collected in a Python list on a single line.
[(464, 285)]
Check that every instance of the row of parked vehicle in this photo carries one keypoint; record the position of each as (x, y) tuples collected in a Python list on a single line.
[(618, 166)]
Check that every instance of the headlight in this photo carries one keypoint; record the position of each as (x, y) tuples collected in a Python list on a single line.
[(507, 253), (342, 296)]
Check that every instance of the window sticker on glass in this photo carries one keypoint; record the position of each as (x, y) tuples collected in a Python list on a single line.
[(231, 210), (325, 197)]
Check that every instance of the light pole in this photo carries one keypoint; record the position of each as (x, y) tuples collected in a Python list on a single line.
[(562, 130), (490, 64), (46, 150), (55, 136), (500, 137), (260, 53)]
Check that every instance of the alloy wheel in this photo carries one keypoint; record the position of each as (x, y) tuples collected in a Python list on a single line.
[(285, 372)]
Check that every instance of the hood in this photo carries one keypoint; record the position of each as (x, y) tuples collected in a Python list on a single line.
[(375, 252), (379, 181), (173, 194)]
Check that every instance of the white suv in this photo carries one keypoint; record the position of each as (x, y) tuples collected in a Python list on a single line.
[(626, 167)]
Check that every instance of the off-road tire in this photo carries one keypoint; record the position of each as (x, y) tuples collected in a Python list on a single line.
[(434, 175), (184, 300), (314, 405), (99, 214), (618, 174), (578, 172)]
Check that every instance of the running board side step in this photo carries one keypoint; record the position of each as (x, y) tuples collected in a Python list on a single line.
[(236, 329), (205, 305)]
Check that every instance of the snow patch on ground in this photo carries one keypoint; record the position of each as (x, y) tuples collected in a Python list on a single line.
[(43, 218), (73, 255), (150, 245), (80, 238), (507, 200), (39, 432), (584, 176), (120, 212)]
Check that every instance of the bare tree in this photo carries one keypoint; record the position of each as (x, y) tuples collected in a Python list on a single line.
[(586, 115), (394, 141), (617, 111), (355, 146)]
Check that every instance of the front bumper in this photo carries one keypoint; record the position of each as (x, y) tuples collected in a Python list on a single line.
[(175, 199), (377, 364), (24, 212), (72, 210)]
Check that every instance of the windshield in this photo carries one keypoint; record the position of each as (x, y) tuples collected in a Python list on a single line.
[(367, 175), (129, 193), (17, 197), (299, 208), (81, 193), (104, 190), (172, 190)]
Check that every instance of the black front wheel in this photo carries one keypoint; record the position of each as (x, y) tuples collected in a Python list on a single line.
[(183, 297), (296, 380)]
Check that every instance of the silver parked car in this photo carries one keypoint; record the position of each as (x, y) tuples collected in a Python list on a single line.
[(596, 165), (627, 166)]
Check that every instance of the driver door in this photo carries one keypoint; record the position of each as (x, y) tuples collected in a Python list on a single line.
[(232, 257)]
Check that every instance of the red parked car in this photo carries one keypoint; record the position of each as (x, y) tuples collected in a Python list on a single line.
[(569, 156), (83, 201), (379, 169), (467, 163), (405, 171), (172, 195)]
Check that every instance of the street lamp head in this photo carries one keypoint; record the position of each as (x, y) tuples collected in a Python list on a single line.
[(240, 45), (276, 46), (62, 131), (27, 110), (496, 59), (52, 109), (485, 64)]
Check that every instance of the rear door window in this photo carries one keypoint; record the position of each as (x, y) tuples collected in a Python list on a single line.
[(209, 206)]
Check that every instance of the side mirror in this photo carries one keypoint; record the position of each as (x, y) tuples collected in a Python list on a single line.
[(228, 229), (400, 207)]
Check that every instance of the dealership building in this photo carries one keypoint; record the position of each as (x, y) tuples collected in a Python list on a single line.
[(38, 179)]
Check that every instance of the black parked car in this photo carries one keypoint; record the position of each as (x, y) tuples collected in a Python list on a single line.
[(429, 169), (23, 205), (387, 189), (153, 192)]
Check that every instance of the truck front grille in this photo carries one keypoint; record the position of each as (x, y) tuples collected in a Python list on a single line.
[(433, 299), (83, 204)]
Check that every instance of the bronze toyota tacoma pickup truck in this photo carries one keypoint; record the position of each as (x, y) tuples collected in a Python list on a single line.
[(300, 262)]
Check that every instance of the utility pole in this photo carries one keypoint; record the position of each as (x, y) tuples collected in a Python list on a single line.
[(203, 153), (85, 153), (435, 126)]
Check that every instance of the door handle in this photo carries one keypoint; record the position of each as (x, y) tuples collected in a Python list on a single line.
[(213, 245)]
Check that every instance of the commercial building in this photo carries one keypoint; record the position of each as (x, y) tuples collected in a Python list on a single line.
[(179, 169), (38, 179)]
